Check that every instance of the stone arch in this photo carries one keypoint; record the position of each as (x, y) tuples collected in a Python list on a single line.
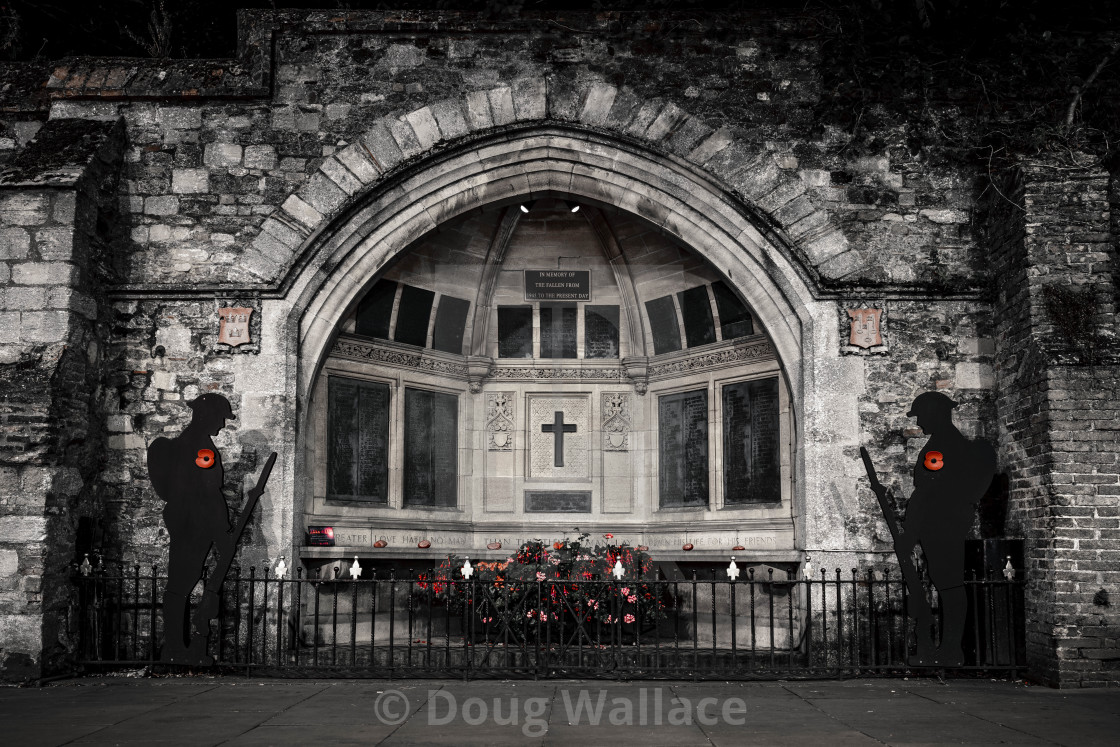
[(347, 253), (392, 146)]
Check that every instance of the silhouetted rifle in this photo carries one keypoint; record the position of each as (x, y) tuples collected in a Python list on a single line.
[(917, 592), (208, 609)]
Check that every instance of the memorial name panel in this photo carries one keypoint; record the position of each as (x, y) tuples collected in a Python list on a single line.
[(683, 449), (557, 501), (358, 439), (431, 448), (557, 285)]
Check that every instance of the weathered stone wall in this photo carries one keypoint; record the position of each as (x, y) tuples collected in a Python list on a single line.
[(56, 198), (236, 172)]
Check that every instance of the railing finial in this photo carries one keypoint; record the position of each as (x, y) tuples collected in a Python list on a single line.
[(733, 570)]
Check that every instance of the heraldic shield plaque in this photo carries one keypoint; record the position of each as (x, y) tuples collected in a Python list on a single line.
[(234, 327), (865, 327)]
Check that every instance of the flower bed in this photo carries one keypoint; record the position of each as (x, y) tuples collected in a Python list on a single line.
[(553, 592)]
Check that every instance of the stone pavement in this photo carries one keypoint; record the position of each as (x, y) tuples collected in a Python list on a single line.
[(234, 711)]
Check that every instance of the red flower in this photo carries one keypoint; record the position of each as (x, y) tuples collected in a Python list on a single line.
[(628, 618), (608, 535)]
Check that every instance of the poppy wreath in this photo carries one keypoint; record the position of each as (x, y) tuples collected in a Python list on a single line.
[(553, 591)]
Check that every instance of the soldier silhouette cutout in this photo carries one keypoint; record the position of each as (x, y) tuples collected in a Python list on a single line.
[(186, 472), (951, 474)]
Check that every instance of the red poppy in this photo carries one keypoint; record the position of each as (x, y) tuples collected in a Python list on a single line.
[(423, 544), (557, 545), (205, 458), (935, 460), (687, 547), (608, 535)]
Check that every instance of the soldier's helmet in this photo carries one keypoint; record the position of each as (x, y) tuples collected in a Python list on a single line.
[(931, 403), (212, 409)]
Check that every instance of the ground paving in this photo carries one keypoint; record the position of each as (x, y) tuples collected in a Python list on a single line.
[(237, 711)]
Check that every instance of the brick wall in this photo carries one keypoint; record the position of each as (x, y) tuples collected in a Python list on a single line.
[(1058, 417)]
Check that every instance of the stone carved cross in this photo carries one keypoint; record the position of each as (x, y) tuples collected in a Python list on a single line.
[(558, 428)]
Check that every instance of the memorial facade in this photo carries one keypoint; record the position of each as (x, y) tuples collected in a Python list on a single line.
[(482, 283)]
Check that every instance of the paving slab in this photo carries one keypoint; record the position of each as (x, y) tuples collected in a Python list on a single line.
[(239, 711)]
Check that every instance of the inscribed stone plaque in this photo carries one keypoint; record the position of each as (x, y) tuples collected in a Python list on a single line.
[(558, 501), (376, 309), (431, 448), (600, 331), (557, 285), (451, 318), (750, 442), (542, 410), (515, 331), (558, 331), (734, 319), (663, 324), (358, 439), (696, 309), (412, 316), (683, 448)]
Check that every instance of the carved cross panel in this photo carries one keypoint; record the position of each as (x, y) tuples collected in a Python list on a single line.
[(557, 430)]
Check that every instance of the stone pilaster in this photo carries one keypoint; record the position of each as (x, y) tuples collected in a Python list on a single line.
[(1058, 397), (52, 260)]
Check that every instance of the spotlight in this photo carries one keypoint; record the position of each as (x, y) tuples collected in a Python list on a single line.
[(572, 206), (527, 206)]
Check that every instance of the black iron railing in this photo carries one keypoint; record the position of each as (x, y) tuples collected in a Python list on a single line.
[(382, 626)]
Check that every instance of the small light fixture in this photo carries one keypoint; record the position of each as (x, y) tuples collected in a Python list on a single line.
[(527, 206), (573, 207)]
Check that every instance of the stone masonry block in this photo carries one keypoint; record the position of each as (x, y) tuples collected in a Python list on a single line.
[(43, 273), (30, 298), (687, 134), (710, 146), (55, 243), (9, 327), (289, 236), (404, 137), (15, 243), (478, 110), (24, 209), (222, 154), (340, 175), (9, 563), (23, 529), (64, 206), (647, 112), (259, 157), (449, 117), (22, 633), (180, 118), (44, 326), (600, 97), (529, 102), (666, 121), (354, 158), (322, 194), (161, 205), (501, 105), (424, 125), (302, 212), (190, 181), (382, 147)]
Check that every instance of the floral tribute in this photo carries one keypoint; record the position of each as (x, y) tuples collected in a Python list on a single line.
[(555, 590)]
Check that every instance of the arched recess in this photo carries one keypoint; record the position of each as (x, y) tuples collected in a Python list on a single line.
[(341, 260)]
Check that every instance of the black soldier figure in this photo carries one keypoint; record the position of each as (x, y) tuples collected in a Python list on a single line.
[(951, 475), (186, 472)]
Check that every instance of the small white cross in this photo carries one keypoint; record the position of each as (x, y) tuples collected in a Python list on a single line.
[(355, 570), (733, 569), (1009, 570), (618, 570), (281, 567), (467, 570), (808, 567)]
